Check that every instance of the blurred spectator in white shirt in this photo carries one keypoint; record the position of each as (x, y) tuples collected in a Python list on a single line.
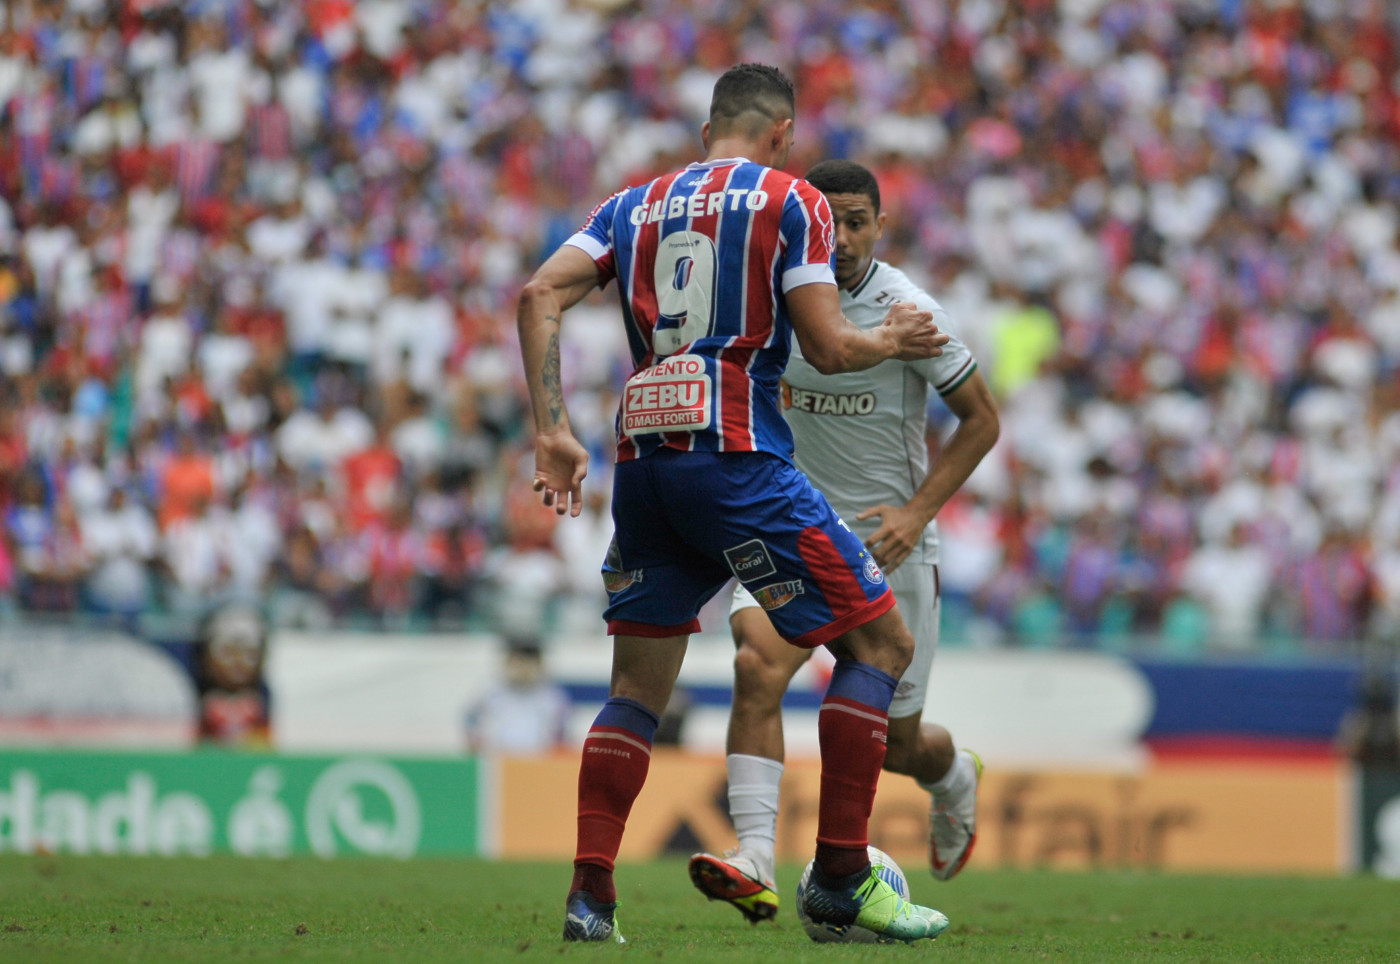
[(1232, 580), (322, 439), (122, 540), (525, 714)]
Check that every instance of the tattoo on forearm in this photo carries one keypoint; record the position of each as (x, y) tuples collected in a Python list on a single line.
[(553, 386)]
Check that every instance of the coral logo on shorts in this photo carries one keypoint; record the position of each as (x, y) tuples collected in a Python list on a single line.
[(779, 594), (750, 560), (872, 570)]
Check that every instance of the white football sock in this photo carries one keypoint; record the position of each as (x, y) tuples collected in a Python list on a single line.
[(959, 778), (753, 806)]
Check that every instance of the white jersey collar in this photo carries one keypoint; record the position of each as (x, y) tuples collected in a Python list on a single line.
[(717, 162), (869, 273)]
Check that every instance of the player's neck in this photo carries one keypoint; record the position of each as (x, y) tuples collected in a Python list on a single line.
[(740, 147), (857, 278)]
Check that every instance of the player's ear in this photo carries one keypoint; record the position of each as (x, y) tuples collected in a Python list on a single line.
[(705, 134), (782, 134), (879, 225)]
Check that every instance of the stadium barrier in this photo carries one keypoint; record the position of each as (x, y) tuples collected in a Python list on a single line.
[(1238, 816), (254, 804), (1175, 816), (1094, 759)]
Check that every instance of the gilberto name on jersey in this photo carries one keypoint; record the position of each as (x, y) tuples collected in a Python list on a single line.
[(698, 205)]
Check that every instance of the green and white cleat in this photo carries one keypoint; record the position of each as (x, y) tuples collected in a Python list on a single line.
[(871, 903)]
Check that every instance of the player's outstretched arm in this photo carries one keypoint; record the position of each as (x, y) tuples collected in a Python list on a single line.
[(831, 344), (901, 527), (560, 461)]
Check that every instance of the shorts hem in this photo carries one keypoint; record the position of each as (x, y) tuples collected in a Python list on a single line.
[(625, 627), (859, 617)]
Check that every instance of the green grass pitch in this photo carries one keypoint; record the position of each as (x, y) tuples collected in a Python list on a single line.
[(151, 910)]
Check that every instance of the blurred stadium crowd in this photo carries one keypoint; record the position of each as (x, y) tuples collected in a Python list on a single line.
[(258, 267)]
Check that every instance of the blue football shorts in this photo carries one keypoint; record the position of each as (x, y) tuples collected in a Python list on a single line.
[(687, 522)]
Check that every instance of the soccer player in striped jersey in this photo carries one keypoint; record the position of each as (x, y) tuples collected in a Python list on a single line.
[(861, 441), (718, 266)]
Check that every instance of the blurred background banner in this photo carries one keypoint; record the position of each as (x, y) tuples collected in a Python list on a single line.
[(1094, 759), (1203, 816), (257, 805), (91, 686)]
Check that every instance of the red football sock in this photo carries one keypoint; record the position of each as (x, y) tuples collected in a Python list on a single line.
[(851, 731), (616, 755)]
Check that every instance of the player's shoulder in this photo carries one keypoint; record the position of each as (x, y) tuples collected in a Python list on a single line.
[(887, 284), (801, 199), (607, 208), (803, 189)]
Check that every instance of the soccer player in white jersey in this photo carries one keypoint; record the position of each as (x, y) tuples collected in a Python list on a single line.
[(860, 440)]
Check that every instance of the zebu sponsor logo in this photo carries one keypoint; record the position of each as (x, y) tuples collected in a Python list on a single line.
[(673, 394), (825, 403), (779, 594)]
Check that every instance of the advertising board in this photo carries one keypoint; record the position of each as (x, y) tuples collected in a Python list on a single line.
[(1237, 817), (254, 804)]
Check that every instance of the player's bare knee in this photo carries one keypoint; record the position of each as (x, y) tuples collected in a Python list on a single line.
[(884, 643), (901, 651), (758, 679), (938, 742)]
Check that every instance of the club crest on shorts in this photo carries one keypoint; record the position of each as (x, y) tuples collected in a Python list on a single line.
[(872, 570), (750, 560), (779, 594)]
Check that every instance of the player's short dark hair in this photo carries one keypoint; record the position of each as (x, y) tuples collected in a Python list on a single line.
[(844, 177), (751, 89)]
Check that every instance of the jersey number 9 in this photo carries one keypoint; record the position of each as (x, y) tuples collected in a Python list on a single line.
[(685, 287)]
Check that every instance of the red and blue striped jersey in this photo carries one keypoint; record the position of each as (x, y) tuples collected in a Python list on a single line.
[(704, 258)]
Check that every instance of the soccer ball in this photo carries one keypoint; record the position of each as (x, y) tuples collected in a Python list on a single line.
[(887, 870)]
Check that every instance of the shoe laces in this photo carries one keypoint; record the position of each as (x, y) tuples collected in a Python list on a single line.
[(902, 907)]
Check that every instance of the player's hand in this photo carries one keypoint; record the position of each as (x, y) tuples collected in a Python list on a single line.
[(560, 465), (914, 333), (900, 530)]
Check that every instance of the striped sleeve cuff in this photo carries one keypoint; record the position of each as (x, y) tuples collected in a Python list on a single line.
[(589, 244), (807, 274), (962, 375)]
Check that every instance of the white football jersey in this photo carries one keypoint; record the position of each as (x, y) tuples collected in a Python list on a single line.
[(860, 435)]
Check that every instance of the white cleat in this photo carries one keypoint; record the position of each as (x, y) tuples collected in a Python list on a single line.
[(737, 881), (952, 827)]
